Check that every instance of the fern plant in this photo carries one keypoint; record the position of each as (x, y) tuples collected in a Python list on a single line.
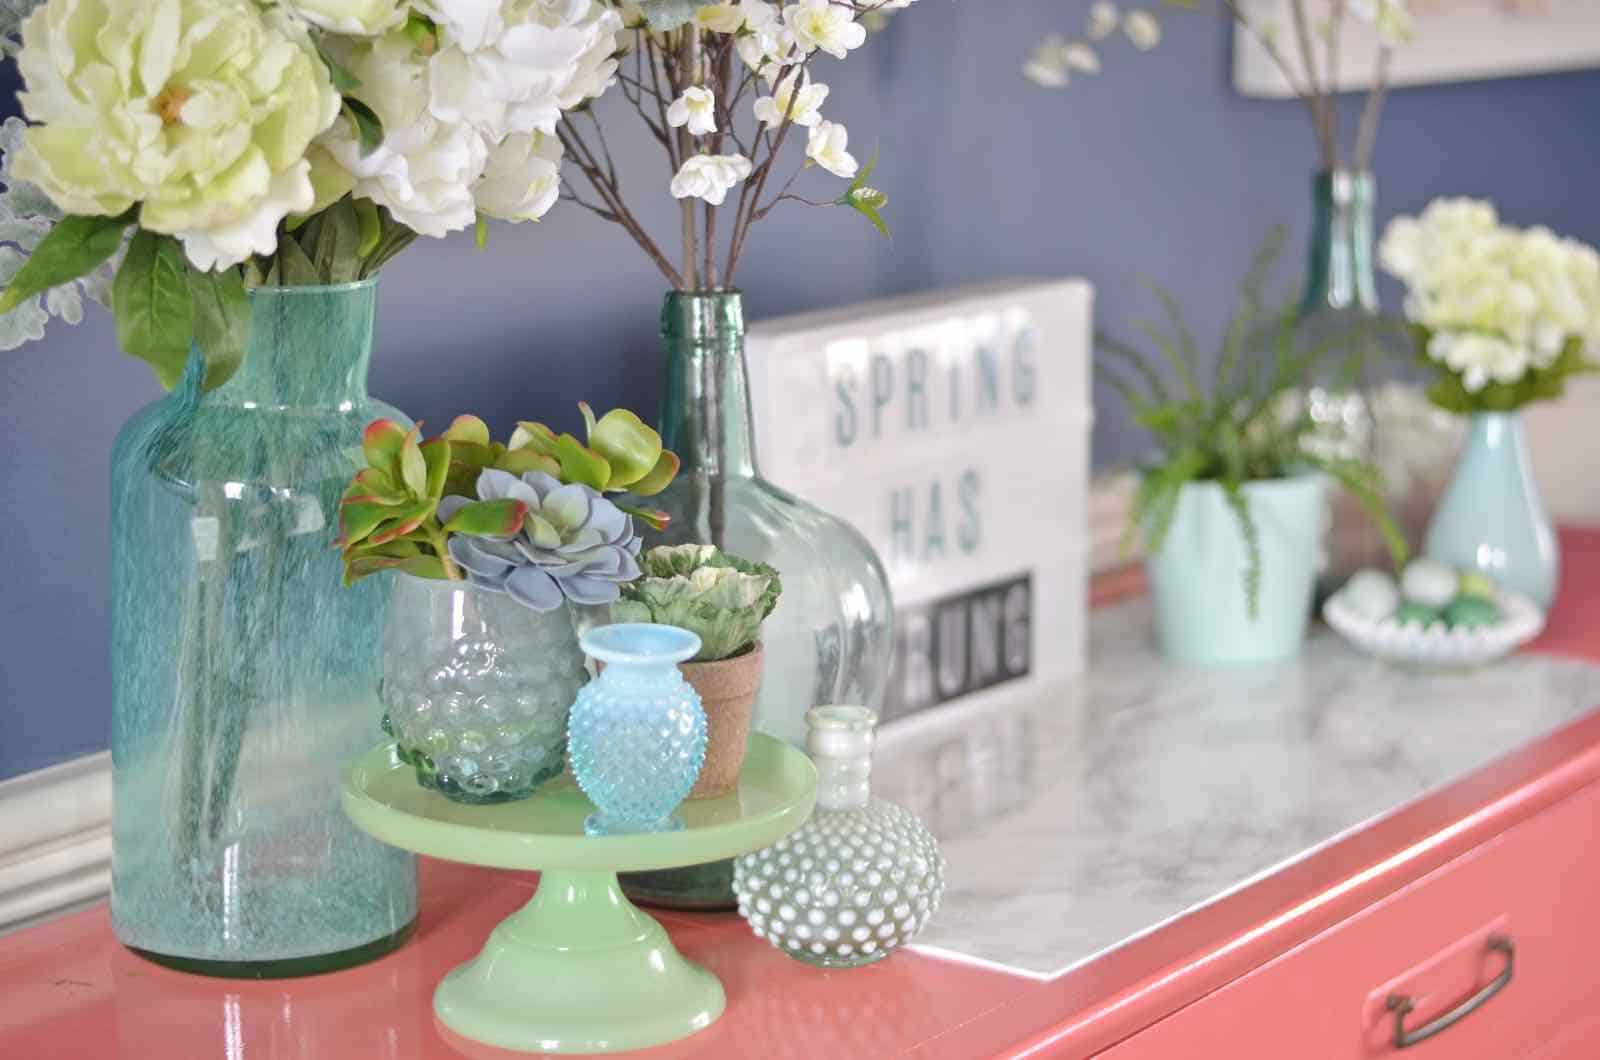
[(1240, 422)]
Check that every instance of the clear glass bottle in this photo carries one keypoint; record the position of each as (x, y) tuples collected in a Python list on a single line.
[(244, 676), (829, 641), (1339, 316), (858, 880), (477, 688)]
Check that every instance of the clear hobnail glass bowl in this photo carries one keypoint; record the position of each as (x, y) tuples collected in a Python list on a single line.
[(477, 688), (638, 730)]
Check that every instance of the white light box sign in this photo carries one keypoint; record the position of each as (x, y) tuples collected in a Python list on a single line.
[(952, 428)]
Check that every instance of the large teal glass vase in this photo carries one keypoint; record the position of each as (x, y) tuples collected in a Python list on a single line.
[(245, 677), (829, 641), (1491, 518)]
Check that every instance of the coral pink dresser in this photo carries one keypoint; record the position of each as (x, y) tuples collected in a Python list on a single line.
[(1153, 864)]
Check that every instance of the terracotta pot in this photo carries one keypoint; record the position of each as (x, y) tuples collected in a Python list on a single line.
[(728, 692)]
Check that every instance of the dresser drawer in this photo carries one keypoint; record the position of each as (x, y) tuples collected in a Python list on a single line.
[(1534, 885)]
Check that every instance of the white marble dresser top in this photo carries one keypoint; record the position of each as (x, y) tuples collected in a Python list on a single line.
[(1077, 822)]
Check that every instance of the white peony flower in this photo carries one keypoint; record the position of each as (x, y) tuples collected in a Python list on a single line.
[(425, 169), (720, 18), (522, 178), (506, 67), (709, 177), (1143, 29), (827, 148), (1104, 18), (223, 246), (811, 25), (806, 105), (198, 110), (597, 67), (356, 18), (696, 109)]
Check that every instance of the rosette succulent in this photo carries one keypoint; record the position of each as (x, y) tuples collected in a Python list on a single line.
[(573, 544), (722, 598)]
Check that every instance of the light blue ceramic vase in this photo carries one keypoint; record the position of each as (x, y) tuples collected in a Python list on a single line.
[(1197, 578), (1491, 518), (638, 731)]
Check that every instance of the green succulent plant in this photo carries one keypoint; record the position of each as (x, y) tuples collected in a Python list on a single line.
[(1247, 425), (722, 598), (621, 455), (388, 517)]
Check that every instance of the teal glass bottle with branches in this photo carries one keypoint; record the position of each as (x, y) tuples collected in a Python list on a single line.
[(244, 675)]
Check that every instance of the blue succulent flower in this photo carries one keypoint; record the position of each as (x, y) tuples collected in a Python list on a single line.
[(574, 545)]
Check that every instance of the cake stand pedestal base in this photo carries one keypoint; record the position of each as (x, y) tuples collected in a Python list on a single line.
[(578, 969)]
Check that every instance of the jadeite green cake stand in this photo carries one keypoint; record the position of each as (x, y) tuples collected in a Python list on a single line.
[(579, 969)]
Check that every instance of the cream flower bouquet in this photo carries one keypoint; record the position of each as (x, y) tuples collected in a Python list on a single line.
[(1505, 315), (195, 148)]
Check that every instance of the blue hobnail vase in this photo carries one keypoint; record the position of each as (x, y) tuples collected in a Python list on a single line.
[(637, 732), (1491, 518)]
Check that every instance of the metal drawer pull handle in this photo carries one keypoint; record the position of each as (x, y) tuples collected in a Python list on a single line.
[(1401, 1005)]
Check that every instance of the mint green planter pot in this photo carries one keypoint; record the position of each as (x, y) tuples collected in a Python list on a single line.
[(1491, 518), (244, 676), (579, 969), (1197, 578)]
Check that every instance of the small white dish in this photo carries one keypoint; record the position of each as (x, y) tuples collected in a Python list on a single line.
[(1437, 645)]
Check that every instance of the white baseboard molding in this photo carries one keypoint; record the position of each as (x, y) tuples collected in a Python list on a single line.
[(55, 839)]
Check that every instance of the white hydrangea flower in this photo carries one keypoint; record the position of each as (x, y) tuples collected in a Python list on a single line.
[(709, 177), (813, 25), (1143, 29), (357, 18), (597, 67), (696, 109), (827, 147), (1498, 301), (1104, 18), (1081, 58), (806, 105), (522, 179)]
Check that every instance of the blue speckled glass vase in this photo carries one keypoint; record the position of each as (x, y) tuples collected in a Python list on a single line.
[(1491, 518), (477, 688), (244, 676), (638, 731)]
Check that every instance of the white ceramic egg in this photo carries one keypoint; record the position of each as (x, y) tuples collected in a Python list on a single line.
[(1371, 594), (1429, 583)]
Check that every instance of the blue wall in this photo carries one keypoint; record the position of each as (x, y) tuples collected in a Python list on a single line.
[(1155, 167)]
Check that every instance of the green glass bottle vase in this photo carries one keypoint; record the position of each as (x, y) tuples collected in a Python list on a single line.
[(829, 641), (244, 676), (1339, 316)]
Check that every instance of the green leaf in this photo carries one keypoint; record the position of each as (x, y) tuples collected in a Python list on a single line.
[(414, 466), (337, 251), (381, 444), (480, 231), (436, 462), (295, 267), (632, 449), (154, 309), (660, 477), (1233, 494), (369, 127), (344, 82), (221, 322), (371, 222), (498, 518), (469, 429), (581, 464), (74, 247)]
